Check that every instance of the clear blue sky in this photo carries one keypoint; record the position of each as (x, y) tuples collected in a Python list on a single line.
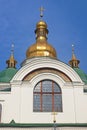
[(67, 25)]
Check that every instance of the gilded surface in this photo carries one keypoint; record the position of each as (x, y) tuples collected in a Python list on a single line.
[(41, 47)]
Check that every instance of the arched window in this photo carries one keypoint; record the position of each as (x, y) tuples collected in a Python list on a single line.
[(47, 97), (0, 111)]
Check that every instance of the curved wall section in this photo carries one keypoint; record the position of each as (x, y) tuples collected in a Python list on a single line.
[(39, 63)]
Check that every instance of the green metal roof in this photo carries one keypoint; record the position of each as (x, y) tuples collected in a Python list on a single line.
[(19, 125), (82, 75), (6, 89), (7, 74)]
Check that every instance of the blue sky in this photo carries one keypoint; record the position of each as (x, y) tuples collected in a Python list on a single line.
[(67, 25)]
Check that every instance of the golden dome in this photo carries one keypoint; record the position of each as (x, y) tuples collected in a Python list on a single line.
[(74, 62), (11, 61), (41, 47)]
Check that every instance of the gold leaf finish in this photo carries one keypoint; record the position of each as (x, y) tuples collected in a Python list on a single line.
[(41, 47)]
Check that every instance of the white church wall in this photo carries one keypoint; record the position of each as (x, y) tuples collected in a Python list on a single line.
[(16, 102), (68, 105), (71, 112), (11, 105), (5, 101), (27, 114), (26, 103), (17, 105), (43, 128), (80, 104)]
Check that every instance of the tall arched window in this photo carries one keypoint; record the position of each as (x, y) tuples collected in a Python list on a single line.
[(0, 111), (47, 97)]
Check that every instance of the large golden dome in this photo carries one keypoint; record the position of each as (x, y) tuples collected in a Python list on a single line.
[(41, 47)]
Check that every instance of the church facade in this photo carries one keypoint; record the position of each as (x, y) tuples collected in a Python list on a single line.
[(44, 93)]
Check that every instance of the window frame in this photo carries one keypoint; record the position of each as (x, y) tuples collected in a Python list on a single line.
[(52, 94)]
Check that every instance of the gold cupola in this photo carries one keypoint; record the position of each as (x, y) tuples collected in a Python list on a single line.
[(41, 48), (74, 62), (11, 62)]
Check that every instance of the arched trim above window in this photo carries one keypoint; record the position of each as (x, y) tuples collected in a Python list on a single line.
[(47, 97)]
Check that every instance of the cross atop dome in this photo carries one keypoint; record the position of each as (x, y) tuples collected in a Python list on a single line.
[(41, 12), (12, 49), (72, 48)]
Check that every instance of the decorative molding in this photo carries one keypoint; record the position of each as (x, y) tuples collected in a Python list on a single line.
[(39, 63), (47, 70)]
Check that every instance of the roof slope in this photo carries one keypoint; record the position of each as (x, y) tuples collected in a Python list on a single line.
[(7, 74), (82, 75)]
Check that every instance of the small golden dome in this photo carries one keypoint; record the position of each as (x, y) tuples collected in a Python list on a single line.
[(11, 61), (41, 47), (41, 24), (74, 62)]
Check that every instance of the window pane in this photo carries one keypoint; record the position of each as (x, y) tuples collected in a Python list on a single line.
[(36, 102), (37, 89), (58, 102), (56, 88), (47, 103), (47, 86)]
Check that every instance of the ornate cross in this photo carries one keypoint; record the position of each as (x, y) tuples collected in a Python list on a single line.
[(72, 49), (54, 116), (54, 119), (12, 49), (41, 11)]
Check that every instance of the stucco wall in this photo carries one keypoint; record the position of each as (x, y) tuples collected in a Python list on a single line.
[(17, 105), (58, 128)]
